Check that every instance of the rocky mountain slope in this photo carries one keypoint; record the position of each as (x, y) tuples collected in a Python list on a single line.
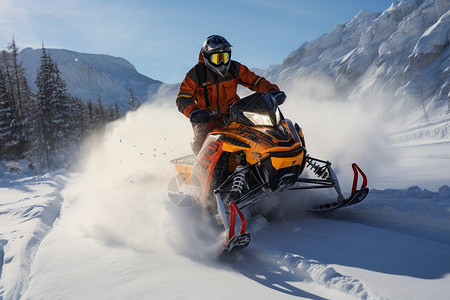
[(392, 61)]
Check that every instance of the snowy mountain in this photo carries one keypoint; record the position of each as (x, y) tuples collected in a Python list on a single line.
[(93, 76), (394, 61)]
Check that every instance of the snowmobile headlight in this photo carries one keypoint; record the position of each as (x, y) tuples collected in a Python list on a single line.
[(278, 116), (258, 119)]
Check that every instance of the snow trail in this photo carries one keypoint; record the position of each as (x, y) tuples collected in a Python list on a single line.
[(25, 223), (325, 275)]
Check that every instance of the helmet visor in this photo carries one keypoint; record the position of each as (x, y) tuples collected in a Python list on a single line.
[(217, 58)]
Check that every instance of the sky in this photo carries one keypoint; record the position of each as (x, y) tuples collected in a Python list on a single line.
[(162, 39)]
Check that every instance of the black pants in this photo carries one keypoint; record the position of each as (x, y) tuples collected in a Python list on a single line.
[(201, 131)]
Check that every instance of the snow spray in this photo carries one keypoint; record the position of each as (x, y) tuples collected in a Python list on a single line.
[(337, 130), (121, 193)]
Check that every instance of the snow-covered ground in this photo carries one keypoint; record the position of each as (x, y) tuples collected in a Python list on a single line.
[(29, 208), (108, 231)]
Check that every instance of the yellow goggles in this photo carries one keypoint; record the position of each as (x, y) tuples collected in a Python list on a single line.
[(216, 58)]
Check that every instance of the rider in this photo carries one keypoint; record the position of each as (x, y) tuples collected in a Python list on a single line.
[(210, 86)]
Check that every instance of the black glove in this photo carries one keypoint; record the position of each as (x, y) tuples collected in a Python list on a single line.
[(279, 96), (200, 116)]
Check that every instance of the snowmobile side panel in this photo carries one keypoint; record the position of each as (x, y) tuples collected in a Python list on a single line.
[(204, 166), (283, 162)]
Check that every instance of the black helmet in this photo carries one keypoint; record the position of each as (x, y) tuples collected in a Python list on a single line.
[(217, 54)]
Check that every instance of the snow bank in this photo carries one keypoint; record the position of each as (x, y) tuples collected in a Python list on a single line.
[(414, 211)]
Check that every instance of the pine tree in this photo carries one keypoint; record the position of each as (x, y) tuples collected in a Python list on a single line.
[(17, 104), (100, 115), (17, 74), (26, 105), (133, 102), (44, 126), (117, 113), (79, 118), (113, 113), (43, 82), (90, 115), (56, 122), (8, 117)]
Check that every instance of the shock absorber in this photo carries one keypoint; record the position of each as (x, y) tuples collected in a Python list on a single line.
[(238, 182), (320, 171)]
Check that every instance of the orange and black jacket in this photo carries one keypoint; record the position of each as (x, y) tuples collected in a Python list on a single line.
[(221, 91)]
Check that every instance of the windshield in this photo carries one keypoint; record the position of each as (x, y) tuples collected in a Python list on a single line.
[(258, 109)]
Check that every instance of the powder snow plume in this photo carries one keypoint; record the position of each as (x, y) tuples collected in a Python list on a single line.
[(337, 130), (120, 196)]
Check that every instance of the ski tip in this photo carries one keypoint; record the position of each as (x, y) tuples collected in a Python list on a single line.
[(358, 196), (236, 242), (355, 198)]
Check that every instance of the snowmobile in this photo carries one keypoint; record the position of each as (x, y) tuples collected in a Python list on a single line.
[(256, 153)]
